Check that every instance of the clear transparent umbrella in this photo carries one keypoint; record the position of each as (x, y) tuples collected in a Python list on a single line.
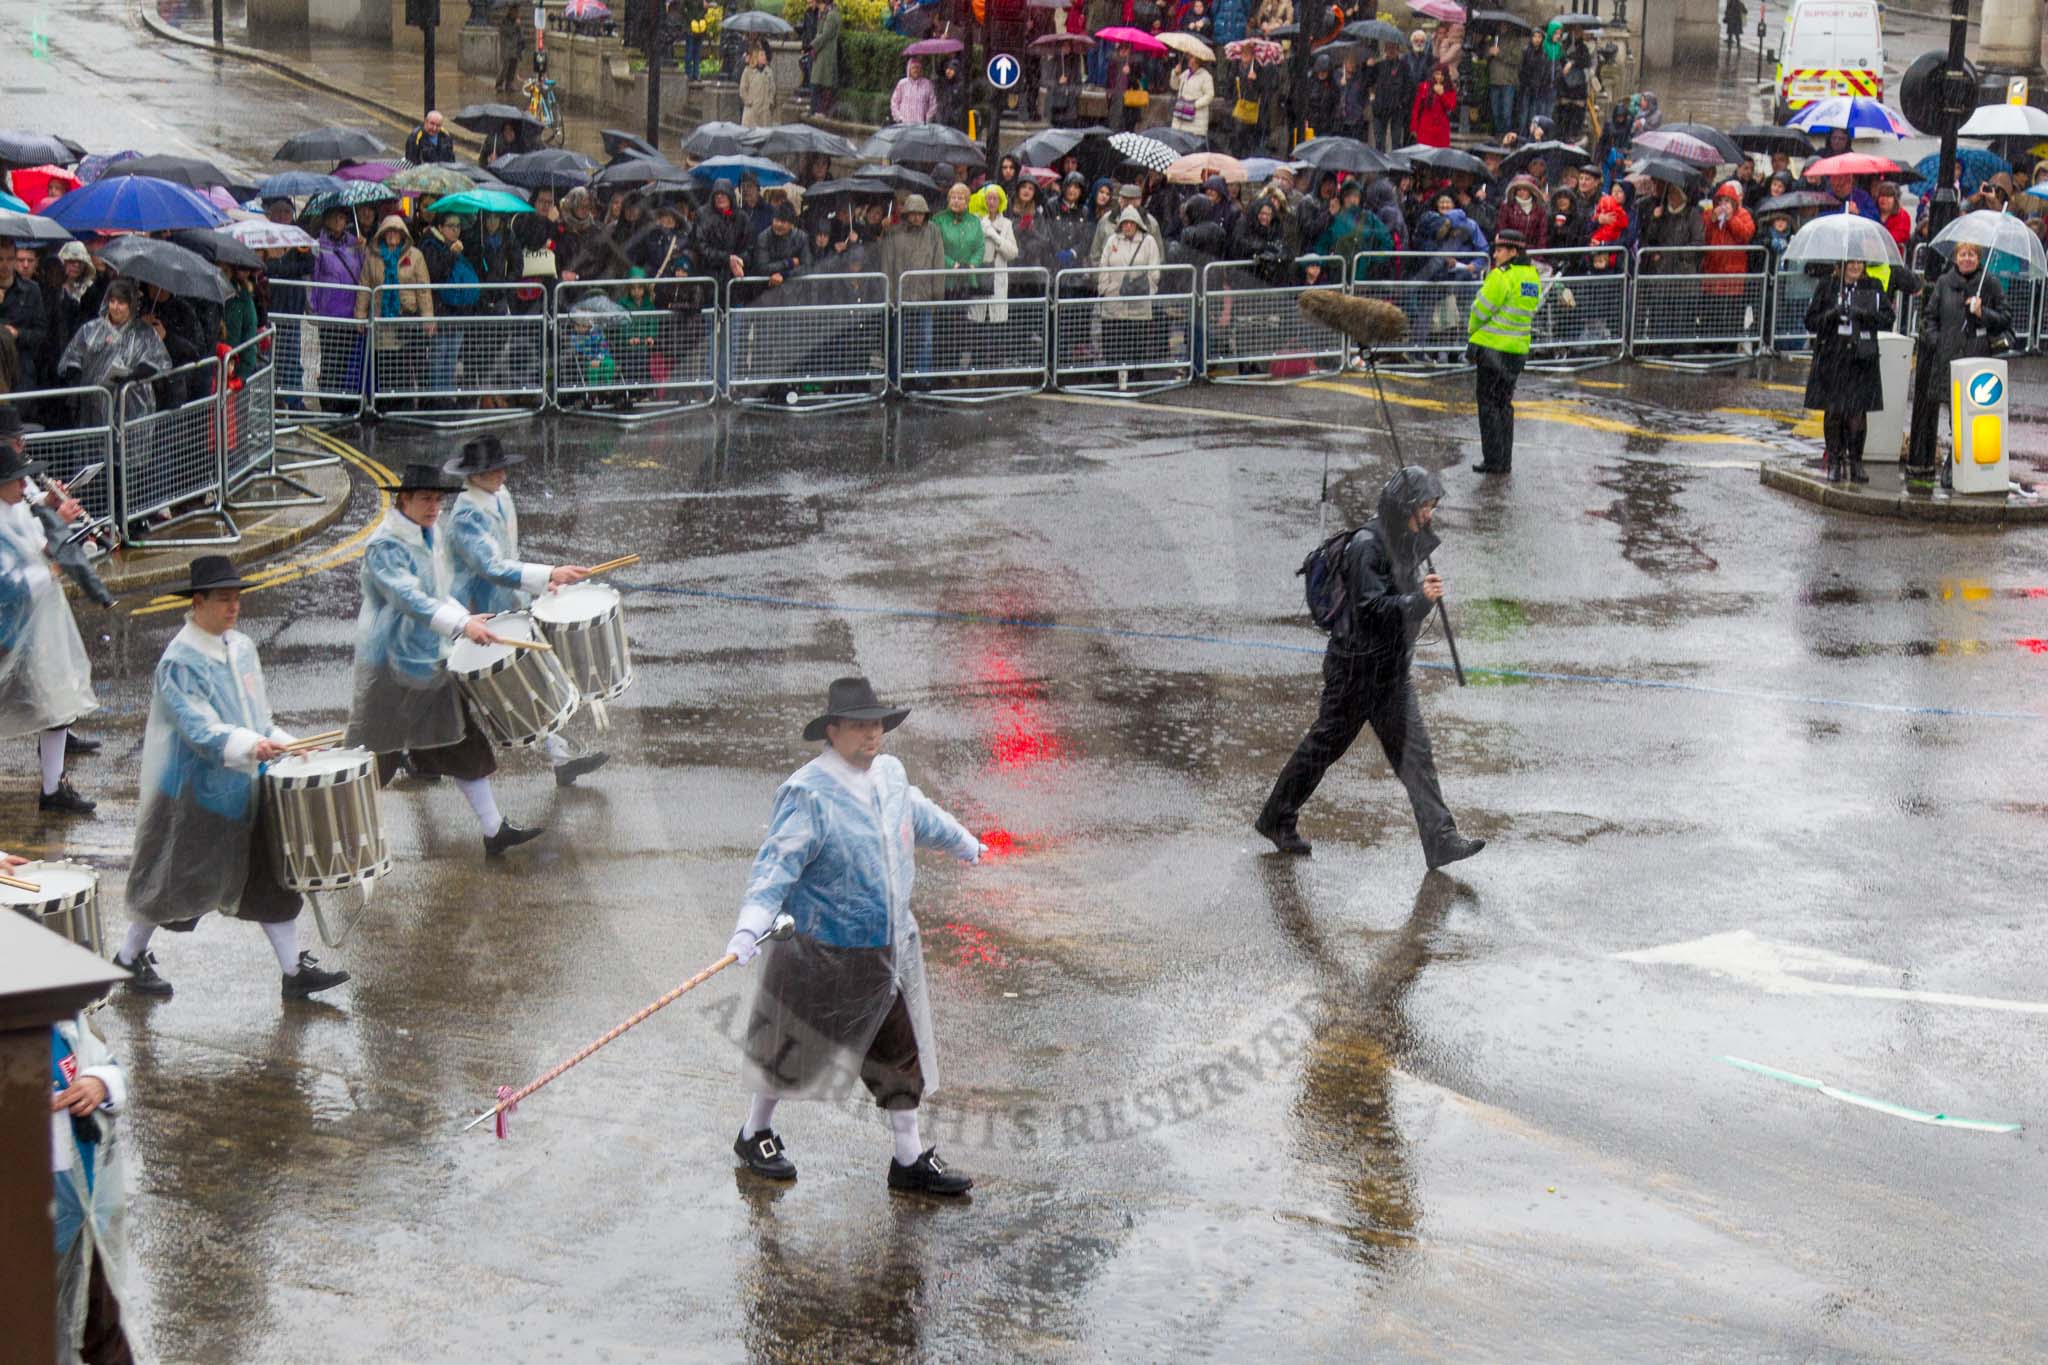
[(1999, 233), (1839, 237)]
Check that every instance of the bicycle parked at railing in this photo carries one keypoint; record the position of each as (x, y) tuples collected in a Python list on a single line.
[(545, 104)]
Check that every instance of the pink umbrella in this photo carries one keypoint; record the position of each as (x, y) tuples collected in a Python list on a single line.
[(1443, 11), (932, 47), (1054, 41), (1044, 175), (1137, 38), (221, 199), (585, 9), (376, 172)]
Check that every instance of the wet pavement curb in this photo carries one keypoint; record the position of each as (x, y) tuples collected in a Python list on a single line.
[(334, 483), (145, 11), (1964, 510)]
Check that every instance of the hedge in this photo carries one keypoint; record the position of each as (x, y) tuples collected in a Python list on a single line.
[(871, 61)]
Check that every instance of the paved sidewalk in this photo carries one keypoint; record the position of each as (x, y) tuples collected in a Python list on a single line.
[(264, 533), (1886, 496)]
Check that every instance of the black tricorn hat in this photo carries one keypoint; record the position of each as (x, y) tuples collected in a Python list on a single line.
[(423, 478), (482, 455), (210, 572), (854, 699), (16, 464)]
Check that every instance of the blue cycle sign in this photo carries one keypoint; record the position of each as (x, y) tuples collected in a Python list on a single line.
[(1004, 70), (1986, 389)]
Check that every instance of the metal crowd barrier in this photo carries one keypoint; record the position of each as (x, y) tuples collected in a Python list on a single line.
[(1258, 326), (173, 468), (811, 344), (79, 431), (1686, 317), (249, 425), (634, 349), (1124, 329), (1791, 293), (450, 364), (985, 338), (320, 357), (1438, 307), (2023, 301), (1582, 320)]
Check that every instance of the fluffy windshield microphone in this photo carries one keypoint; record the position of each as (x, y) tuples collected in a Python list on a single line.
[(1369, 322)]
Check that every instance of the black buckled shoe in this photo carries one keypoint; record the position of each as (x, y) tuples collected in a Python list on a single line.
[(310, 977), (66, 801), (75, 743), (1286, 838), (928, 1175), (765, 1155), (509, 835), (569, 770), (1454, 848), (143, 977)]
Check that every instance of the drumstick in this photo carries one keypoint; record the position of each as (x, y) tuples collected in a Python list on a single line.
[(314, 741), (621, 562), (542, 645), (18, 884)]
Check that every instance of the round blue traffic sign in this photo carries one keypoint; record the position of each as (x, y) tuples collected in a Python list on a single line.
[(1986, 389), (1004, 70)]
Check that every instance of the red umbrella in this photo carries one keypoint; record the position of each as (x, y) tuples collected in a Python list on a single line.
[(932, 47), (1134, 37), (1852, 163)]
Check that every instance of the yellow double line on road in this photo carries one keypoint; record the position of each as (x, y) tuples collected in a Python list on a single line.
[(305, 566), (1569, 412)]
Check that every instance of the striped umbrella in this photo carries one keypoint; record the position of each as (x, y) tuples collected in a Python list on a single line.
[(1854, 114), (1136, 147), (1677, 146)]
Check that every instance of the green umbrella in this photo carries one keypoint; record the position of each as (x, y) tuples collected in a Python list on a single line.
[(430, 179), (480, 201)]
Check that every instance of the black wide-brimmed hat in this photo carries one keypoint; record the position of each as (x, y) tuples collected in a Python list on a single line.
[(15, 464), (210, 572), (482, 455), (423, 478), (11, 424), (854, 699)]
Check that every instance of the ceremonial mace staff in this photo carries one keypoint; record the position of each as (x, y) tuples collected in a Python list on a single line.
[(508, 1098)]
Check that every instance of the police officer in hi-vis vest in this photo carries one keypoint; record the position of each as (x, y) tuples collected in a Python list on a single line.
[(1498, 338)]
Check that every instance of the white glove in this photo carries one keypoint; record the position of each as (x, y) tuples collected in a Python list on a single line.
[(743, 945)]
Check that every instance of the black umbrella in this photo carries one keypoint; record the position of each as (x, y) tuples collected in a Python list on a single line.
[(1180, 139), (923, 144), (1730, 150), (1374, 31), (832, 191), (192, 172), (642, 170), (1447, 159), (217, 247), (618, 142), (1670, 172), (1500, 16), (1764, 137), (482, 175), (756, 21), (22, 148), (800, 139), (78, 153), (1342, 154), (28, 227), (886, 178), (1551, 152), (486, 118), (556, 168), (1046, 148), (167, 266), (329, 144), (718, 138), (1799, 199)]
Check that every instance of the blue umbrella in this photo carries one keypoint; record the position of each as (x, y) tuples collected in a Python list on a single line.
[(1977, 166), (133, 203), (1855, 113), (8, 201), (733, 167), (293, 184), (95, 166)]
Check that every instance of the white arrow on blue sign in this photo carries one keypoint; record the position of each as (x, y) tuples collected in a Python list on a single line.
[(1003, 70)]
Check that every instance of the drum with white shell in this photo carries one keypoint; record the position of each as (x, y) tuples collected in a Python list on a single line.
[(521, 696), (324, 826), (66, 899), (586, 624)]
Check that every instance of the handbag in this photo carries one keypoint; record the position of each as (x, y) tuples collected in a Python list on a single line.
[(539, 264), (1136, 99), (1184, 109), (1245, 111)]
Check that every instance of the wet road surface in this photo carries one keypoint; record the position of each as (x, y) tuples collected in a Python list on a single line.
[(1214, 1100)]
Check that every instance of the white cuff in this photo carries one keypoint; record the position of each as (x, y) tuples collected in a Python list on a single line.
[(278, 736), (448, 618), (241, 744), (116, 1082), (756, 918), (976, 852), (533, 578)]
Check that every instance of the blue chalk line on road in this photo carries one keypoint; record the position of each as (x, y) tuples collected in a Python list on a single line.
[(1897, 1111), (1285, 647)]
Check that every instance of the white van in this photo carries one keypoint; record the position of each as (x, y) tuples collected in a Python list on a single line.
[(1830, 47)]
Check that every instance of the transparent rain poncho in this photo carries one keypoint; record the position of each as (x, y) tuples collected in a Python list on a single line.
[(840, 859), (484, 536), (45, 677), (101, 353), (404, 697), (199, 796), (91, 1214)]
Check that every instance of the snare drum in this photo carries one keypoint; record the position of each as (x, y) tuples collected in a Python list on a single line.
[(521, 695), (587, 626), (68, 902), (324, 828)]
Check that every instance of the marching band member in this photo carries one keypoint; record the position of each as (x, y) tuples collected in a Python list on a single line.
[(201, 832), (846, 994), (45, 677), (407, 708), (490, 578)]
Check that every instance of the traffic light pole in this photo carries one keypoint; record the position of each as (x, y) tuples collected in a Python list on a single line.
[(1946, 204), (427, 62)]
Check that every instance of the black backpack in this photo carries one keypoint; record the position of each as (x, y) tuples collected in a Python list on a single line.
[(1325, 584)]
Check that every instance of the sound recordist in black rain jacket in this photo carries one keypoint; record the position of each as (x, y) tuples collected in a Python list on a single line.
[(1366, 677)]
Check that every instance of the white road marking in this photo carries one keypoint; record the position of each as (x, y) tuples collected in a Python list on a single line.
[(1789, 969)]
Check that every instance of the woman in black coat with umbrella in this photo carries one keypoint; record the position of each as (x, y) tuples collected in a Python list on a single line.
[(1846, 315)]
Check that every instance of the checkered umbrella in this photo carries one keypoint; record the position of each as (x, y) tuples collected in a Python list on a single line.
[(1136, 147)]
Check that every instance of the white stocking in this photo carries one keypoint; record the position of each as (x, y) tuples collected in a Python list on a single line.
[(909, 1146), (51, 742), (477, 790), (760, 1115), (284, 941)]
